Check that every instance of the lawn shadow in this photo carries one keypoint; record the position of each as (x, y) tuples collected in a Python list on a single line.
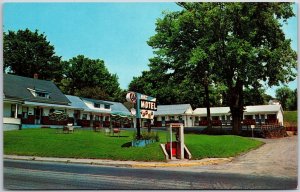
[(118, 136), (128, 144)]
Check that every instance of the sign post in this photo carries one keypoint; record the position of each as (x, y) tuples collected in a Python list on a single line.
[(145, 107), (252, 127)]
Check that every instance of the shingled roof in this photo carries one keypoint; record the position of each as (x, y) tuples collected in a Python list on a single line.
[(17, 87), (177, 109), (116, 107), (119, 108)]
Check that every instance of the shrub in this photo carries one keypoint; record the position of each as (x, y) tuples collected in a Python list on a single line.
[(147, 136)]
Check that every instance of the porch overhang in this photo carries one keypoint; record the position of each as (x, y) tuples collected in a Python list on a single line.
[(43, 105)]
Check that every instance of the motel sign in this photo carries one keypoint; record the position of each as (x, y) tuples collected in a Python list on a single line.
[(145, 105)]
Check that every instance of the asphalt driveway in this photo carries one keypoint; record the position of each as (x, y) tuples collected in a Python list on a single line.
[(277, 158)]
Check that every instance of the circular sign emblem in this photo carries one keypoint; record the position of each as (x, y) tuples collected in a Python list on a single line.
[(131, 97)]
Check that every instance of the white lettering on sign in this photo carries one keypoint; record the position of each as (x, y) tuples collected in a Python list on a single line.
[(149, 105)]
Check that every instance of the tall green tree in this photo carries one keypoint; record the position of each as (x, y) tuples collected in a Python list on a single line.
[(26, 53), (287, 98), (293, 101), (239, 44), (89, 78)]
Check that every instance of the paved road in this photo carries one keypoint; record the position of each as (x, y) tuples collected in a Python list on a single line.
[(41, 175)]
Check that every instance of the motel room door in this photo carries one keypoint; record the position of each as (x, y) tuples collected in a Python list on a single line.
[(38, 115)]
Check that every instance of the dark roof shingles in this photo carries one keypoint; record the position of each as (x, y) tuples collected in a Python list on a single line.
[(17, 87)]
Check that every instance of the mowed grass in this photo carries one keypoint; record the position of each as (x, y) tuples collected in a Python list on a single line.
[(209, 146), (290, 117), (95, 145)]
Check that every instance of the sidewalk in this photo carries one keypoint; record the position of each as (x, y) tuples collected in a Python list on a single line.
[(133, 164)]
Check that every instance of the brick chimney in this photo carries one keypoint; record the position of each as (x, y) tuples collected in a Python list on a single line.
[(36, 76)]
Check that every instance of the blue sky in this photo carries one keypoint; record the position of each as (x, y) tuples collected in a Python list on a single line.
[(114, 32)]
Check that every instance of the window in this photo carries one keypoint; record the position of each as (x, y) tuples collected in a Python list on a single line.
[(262, 117), (257, 118), (163, 118), (39, 93), (84, 116), (96, 105), (215, 117), (24, 112), (203, 118), (271, 116), (172, 118), (248, 116), (13, 110), (106, 118), (96, 118), (223, 117), (106, 106)]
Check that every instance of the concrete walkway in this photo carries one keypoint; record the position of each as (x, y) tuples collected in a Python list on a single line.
[(278, 157)]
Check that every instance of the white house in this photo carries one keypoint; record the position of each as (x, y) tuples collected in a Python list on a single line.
[(257, 113), (29, 101)]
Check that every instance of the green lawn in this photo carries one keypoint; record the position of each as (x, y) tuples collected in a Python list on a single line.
[(290, 117), (89, 144)]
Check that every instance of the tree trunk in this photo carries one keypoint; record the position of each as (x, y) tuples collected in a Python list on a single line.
[(236, 106), (237, 116), (207, 108), (138, 128)]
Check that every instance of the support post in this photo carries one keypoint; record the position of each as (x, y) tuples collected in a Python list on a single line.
[(181, 142), (171, 155), (138, 128), (110, 124), (16, 112)]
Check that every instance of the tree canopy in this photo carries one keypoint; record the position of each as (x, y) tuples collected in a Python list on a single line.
[(240, 44), (26, 53), (287, 98), (89, 78)]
